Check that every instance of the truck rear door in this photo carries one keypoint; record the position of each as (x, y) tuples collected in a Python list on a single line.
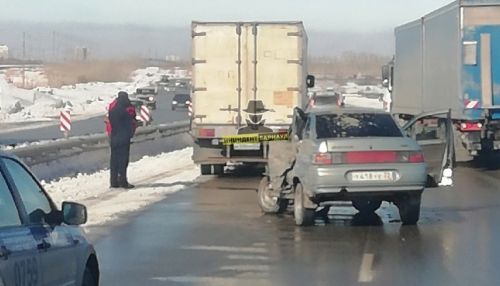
[(481, 58)]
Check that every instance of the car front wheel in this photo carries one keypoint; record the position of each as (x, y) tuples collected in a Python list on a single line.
[(409, 208), (89, 278), (302, 215), (268, 203)]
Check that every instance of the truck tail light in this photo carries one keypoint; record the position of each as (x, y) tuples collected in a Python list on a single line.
[(470, 126), (206, 132)]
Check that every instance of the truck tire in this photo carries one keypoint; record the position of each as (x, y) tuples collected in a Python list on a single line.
[(218, 169), (267, 203), (302, 215), (366, 206), (409, 208), (206, 169)]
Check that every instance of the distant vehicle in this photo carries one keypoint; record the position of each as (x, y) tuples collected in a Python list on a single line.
[(449, 59), (148, 96), (256, 93), (361, 156), (332, 98), (39, 244), (164, 80), (181, 100)]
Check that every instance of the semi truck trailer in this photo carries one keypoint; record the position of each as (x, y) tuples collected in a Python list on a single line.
[(246, 79), (450, 59)]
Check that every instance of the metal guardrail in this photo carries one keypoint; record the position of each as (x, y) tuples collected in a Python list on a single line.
[(52, 150)]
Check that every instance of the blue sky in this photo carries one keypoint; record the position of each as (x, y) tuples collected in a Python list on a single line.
[(336, 15)]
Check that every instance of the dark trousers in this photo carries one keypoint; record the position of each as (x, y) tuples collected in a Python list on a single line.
[(118, 164)]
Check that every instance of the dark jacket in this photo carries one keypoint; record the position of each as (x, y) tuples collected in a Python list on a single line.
[(122, 124)]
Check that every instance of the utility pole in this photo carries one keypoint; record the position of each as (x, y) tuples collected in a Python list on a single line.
[(54, 46), (24, 59)]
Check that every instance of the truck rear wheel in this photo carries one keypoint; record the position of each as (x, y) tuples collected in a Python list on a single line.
[(218, 169), (366, 206), (302, 215), (409, 208), (268, 203), (206, 169)]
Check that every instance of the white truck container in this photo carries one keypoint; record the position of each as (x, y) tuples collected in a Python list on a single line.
[(247, 78)]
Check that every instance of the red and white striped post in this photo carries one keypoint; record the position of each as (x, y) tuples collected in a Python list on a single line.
[(190, 113), (145, 114), (65, 122)]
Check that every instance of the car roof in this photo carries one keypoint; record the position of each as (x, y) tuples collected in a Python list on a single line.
[(335, 109)]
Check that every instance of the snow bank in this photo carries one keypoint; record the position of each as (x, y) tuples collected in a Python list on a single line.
[(84, 100), (363, 102), (154, 177)]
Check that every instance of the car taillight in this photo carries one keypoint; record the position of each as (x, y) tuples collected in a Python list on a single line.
[(367, 157), (323, 159), (283, 130), (471, 126), (206, 132), (416, 157)]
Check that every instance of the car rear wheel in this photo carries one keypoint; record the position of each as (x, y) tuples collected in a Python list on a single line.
[(366, 206), (302, 215), (409, 209), (206, 169), (267, 202)]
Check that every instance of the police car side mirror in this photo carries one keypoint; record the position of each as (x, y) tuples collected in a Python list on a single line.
[(74, 213)]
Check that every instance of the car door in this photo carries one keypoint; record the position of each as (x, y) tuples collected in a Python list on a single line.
[(19, 258), (433, 131), (56, 246)]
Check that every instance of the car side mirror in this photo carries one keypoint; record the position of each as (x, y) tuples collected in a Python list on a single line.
[(310, 81), (74, 213)]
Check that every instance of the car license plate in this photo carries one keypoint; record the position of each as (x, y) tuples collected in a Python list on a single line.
[(247, 146), (381, 176)]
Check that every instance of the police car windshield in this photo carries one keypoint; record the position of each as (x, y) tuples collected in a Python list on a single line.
[(356, 125)]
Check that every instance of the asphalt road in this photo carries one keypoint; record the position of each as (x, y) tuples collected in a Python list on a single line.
[(163, 114), (213, 233)]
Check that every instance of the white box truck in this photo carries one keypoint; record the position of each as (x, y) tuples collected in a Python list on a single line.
[(247, 78)]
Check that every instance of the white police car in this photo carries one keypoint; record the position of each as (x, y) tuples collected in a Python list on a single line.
[(40, 245)]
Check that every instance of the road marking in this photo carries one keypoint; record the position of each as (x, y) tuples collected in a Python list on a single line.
[(259, 244), (247, 257), (210, 280), (226, 248), (365, 271), (249, 267)]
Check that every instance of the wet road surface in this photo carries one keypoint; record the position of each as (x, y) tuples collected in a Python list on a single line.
[(163, 114), (213, 233)]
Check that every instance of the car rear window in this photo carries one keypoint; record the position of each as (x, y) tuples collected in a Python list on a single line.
[(181, 97), (326, 100), (356, 125)]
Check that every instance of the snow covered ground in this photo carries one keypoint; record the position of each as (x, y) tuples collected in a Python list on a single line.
[(155, 178), (357, 100), (84, 100)]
